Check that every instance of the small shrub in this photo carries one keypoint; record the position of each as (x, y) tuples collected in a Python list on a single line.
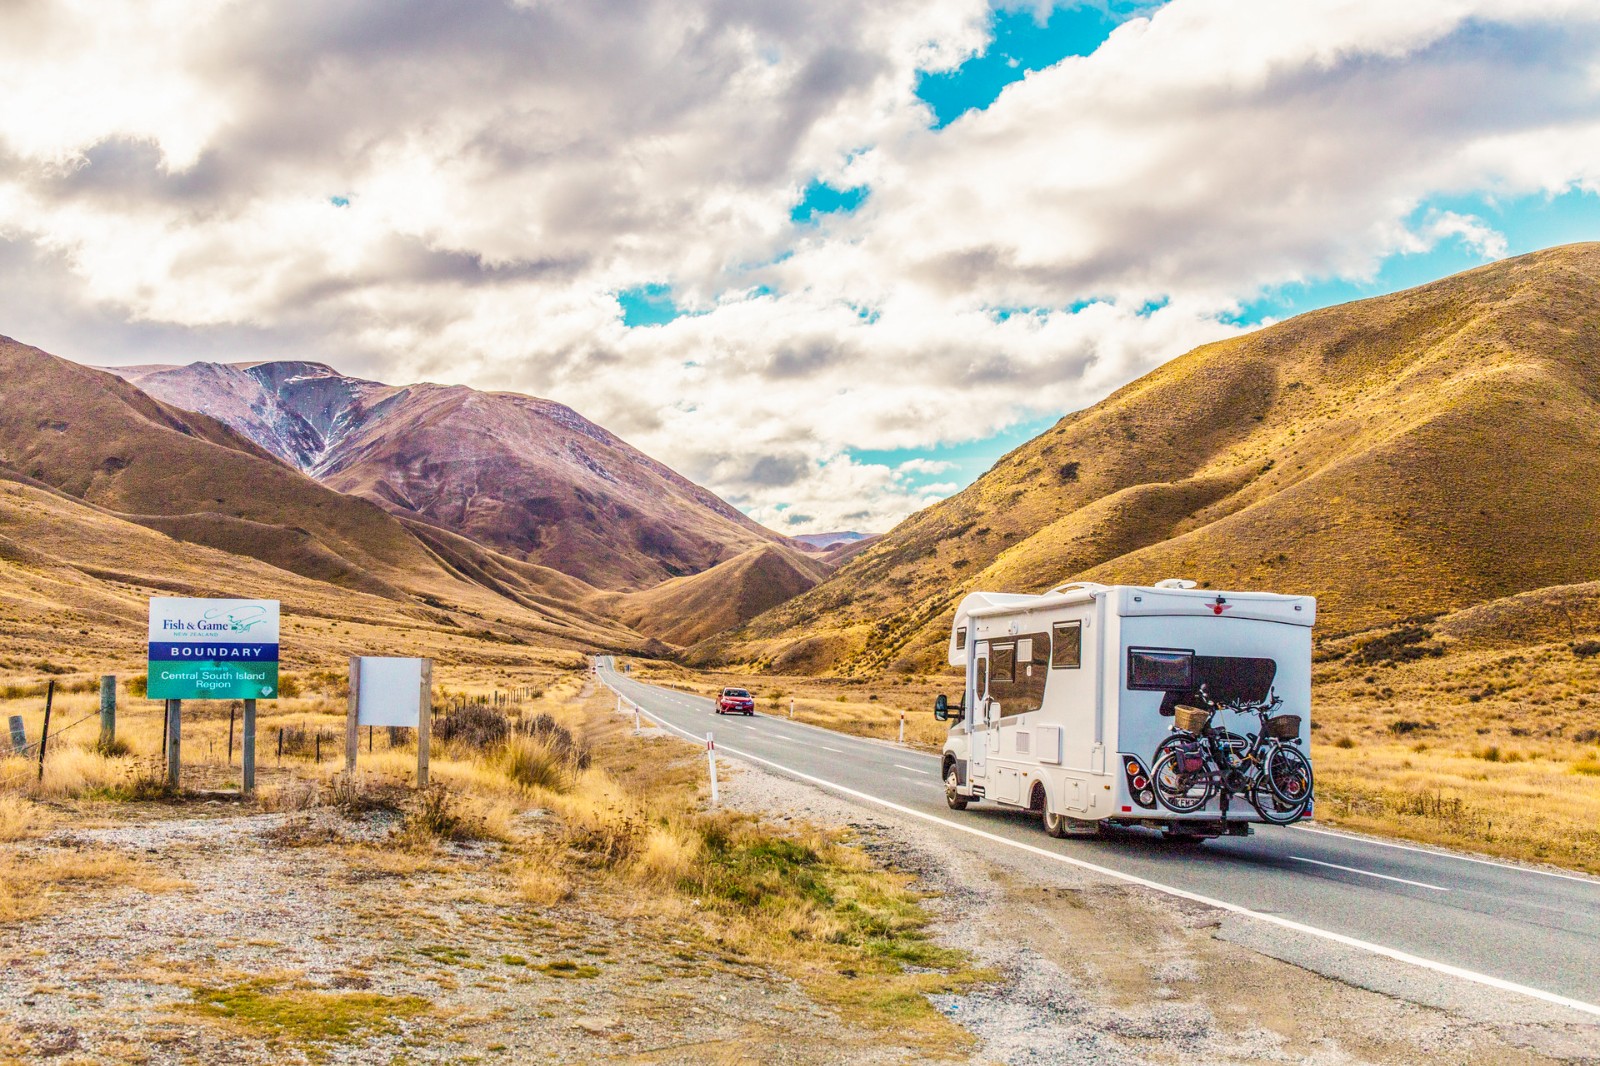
[(1586, 649), (353, 795), (114, 749), (1589, 767), (1344, 742), (1405, 725), (436, 814), (477, 726), (1406, 644), (1488, 754)]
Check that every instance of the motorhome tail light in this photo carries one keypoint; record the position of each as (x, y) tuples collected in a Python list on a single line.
[(1138, 783)]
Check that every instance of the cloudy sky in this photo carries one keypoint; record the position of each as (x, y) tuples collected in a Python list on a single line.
[(828, 258)]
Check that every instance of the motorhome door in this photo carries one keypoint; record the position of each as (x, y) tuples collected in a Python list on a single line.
[(978, 745)]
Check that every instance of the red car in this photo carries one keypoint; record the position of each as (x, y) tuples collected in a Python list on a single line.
[(736, 701)]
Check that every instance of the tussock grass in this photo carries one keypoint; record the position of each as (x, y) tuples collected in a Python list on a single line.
[(18, 818)]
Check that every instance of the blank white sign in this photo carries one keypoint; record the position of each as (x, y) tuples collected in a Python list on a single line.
[(390, 692)]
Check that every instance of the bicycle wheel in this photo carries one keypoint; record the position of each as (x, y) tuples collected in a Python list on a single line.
[(1274, 809), (1288, 772), (1180, 792)]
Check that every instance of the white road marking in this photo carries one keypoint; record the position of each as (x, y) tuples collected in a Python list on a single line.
[(1233, 908), (1367, 873), (913, 769), (825, 747), (1356, 838)]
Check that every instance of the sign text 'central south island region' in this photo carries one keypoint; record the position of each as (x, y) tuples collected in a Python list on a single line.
[(213, 649)]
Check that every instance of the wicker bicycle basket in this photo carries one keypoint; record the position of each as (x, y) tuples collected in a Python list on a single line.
[(1191, 719), (1283, 727)]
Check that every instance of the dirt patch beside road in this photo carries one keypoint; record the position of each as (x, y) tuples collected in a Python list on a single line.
[(1098, 971)]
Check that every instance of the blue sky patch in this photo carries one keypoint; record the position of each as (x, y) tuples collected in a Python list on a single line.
[(648, 305), (968, 460), (1528, 224), (1019, 45), (820, 198)]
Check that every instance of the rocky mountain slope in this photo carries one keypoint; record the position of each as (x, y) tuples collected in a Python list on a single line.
[(116, 491), (530, 478), (1410, 454)]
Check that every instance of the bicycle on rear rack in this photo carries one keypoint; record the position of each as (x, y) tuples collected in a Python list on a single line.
[(1201, 759)]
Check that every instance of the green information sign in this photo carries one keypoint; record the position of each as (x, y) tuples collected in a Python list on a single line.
[(213, 649)]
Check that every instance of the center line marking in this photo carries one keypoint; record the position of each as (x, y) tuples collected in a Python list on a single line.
[(1171, 890), (1367, 873), (825, 747), (913, 769)]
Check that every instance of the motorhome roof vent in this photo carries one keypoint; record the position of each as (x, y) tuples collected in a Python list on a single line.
[(1175, 583)]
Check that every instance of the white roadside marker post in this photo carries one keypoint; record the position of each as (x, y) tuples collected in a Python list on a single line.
[(619, 703), (636, 727), (902, 727), (791, 706), (711, 757)]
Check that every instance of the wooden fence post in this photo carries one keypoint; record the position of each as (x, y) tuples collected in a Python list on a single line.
[(44, 738), (174, 743), (424, 718), (352, 736), (247, 755), (108, 712)]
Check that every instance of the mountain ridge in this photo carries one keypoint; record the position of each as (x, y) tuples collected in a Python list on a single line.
[(1412, 453), (526, 476)]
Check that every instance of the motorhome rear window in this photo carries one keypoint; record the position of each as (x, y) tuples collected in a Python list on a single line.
[(1160, 668), (961, 638), (1066, 645)]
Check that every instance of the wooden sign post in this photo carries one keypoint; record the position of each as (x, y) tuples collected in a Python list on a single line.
[(391, 692)]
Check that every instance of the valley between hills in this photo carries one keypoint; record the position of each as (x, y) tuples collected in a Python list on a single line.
[(1423, 463)]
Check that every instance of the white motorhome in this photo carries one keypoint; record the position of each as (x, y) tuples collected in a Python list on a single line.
[(1069, 693)]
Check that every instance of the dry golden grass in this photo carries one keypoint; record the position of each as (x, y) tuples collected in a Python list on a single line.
[(18, 818), (35, 883), (1330, 454)]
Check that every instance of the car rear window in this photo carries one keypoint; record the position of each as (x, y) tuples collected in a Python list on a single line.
[(739, 692)]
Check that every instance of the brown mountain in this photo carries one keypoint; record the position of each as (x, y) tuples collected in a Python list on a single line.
[(110, 457), (1415, 453), (688, 609), (525, 476)]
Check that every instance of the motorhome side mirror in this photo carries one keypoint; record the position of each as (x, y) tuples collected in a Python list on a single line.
[(941, 708)]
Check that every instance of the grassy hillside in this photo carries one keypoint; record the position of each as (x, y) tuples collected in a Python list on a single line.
[(1411, 454), (687, 609), (111, 496)]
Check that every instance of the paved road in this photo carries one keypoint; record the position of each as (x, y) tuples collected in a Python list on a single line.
[(1498, 923)]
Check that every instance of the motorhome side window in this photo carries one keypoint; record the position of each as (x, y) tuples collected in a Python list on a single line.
[(1160, 668), (1066, 645), (961, 638), (1017, 669)]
